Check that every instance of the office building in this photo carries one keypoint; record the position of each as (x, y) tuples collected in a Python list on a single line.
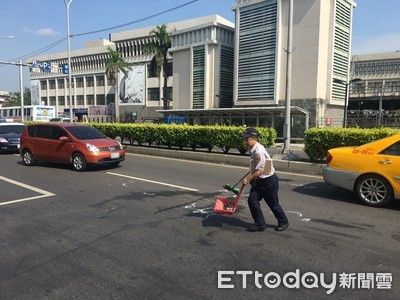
[(376, 92), (222, 72), (202, 52)]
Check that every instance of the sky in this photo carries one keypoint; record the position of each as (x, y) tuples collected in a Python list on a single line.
[(41, 23)]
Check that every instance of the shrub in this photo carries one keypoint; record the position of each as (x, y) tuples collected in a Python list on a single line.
[(317, 141), (225, 137)]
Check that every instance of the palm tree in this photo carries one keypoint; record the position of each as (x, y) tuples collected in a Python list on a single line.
[(114, 65), (160, 45)]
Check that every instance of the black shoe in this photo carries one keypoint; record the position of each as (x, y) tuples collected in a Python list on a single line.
[(282, 227), (256, 227)]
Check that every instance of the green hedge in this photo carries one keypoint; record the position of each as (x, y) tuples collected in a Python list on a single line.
[(183, 136), (317, 141)]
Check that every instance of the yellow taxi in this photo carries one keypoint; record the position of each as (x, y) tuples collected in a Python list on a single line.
[(372, 170)]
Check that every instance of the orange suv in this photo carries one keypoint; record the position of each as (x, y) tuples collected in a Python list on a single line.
[(75, 144)]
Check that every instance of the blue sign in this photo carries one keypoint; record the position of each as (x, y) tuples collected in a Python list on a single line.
[(65, 69), (46, 66), (36, 64)]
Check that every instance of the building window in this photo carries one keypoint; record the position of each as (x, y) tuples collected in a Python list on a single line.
[(89, 81), (79, 82), (61, 100), (90, 99), (198, 76), (110, 99), (79, 99), (170, 69), (100, 80), (101, 100), (52, 84), (152, 69), (52, 101), (73, 100), (225, 97), (170, 95), (43, 85), (257, 51), (60, 83), (153, 94), (44, 100)]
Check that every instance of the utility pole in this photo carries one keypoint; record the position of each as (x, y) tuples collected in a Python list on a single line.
[(287, 125), (21, 89), (71, 112)]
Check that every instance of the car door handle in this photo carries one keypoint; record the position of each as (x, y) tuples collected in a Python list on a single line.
[(385, 162)]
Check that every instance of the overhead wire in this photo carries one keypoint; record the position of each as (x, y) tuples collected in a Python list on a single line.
[(41, 50), (137, 21), (46, 48)]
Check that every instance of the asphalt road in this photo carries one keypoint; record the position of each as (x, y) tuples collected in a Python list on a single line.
[(146, 230)]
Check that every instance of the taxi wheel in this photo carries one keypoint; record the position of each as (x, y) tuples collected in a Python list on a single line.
[(78, 162), (374, 190), (28, 158)]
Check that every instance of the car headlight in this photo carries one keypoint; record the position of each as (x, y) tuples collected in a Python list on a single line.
[(92, 148), (2, 140)]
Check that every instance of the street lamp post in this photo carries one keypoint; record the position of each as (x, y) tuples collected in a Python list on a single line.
[(346, 96), (71, 113), (287, 124), (21, 90), (380, 113)]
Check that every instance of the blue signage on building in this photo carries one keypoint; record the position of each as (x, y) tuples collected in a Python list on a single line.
[(65, 69), (47, 66)]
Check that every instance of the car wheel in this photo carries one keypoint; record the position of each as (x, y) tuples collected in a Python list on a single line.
[(374, 190), (78, 162), (28, 158)]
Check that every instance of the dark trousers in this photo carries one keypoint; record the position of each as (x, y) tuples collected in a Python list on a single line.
[(267, 189)]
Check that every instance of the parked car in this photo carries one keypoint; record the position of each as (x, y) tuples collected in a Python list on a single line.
[(372, 170), (56, 120), (9, 136), (75, 144)]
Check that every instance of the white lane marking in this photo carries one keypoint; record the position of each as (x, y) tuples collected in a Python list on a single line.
[(156, 182), (29, 187)]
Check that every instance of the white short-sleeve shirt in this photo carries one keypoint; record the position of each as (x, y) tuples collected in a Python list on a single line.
[(258, 157)]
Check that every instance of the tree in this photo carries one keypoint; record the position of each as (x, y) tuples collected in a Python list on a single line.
[(15, 99), (114, 65), (159, 46)]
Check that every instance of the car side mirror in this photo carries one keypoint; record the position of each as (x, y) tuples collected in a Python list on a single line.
[(63, 138)]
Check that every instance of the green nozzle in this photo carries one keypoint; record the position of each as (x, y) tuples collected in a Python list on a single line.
[(231, 188)]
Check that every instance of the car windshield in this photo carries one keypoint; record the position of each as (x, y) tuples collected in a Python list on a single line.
[(12, 128), (85, 132)]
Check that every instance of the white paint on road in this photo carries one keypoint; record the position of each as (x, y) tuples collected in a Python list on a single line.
[(155, 182), (42, 193), (300, 216)]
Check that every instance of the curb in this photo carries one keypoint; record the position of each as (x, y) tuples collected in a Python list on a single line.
[(231, 159)]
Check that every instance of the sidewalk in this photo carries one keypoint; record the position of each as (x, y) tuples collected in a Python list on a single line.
[(294, 162)]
